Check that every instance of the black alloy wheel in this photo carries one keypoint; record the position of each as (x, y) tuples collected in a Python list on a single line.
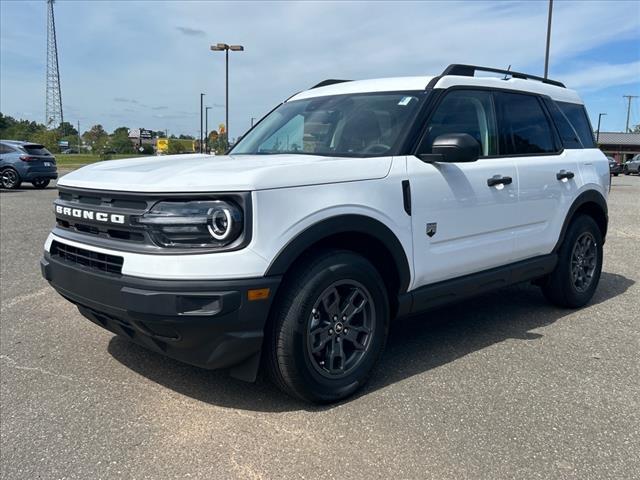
[(341, 325)]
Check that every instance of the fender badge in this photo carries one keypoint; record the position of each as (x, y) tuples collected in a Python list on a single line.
[(431, 229)]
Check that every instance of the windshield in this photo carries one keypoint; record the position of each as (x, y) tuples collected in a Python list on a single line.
[(364, 124)]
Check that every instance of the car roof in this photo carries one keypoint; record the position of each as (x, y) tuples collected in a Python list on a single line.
[(18, 143), (399, 84)]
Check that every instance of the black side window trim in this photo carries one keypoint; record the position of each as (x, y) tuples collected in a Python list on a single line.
[(438, 95)]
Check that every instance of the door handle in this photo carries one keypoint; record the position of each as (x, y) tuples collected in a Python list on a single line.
[(499, 180), (562, 174)]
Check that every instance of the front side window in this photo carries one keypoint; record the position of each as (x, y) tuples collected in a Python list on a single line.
[(364, 125), (464, 111), (523, 126)]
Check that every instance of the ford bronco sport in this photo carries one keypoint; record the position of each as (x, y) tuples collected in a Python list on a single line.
[(349, 205)]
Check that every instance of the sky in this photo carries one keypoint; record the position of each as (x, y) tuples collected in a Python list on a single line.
[(144, 63)]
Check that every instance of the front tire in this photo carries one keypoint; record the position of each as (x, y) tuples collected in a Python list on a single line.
[(41, 183), (576, 276), (10, 179), (328, 328)]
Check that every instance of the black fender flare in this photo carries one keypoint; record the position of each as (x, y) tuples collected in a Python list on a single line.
[(349, 223), (589, 196)]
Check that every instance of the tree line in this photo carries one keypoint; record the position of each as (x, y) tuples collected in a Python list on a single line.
[(96, 139)]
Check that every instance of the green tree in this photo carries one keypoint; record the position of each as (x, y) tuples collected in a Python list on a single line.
[(96, 138), (636, 129), (66, 129), (120, 142), (121, 131), (48, 138)]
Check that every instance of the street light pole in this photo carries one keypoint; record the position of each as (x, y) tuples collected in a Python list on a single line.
[(220, 47), (201, 97), (206, 129), (546, 55), (600, 115)]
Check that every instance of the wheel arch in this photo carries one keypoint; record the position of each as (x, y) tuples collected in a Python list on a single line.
[(350, 232), (590, 203)]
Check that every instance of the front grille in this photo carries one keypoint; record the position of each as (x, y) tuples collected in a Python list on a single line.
[(87, 258), (126, 204)]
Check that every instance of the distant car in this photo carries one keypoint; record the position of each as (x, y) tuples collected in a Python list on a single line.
[(632, 166), (614, 167), (69, 151), (25, 162)]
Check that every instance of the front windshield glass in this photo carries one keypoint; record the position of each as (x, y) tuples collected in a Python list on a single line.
[(363, 124)]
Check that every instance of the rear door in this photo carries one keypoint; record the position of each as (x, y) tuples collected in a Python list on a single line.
[(461, 225), (38, 155), (548, 174)]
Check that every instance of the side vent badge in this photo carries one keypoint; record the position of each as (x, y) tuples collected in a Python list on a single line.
[(431, 229)]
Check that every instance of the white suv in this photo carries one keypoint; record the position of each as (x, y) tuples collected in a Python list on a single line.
[(349, 205)]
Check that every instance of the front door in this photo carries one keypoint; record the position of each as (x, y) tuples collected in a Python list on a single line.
[(461, 224)]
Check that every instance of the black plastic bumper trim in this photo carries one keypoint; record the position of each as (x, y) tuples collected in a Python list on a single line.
[(207, 323)]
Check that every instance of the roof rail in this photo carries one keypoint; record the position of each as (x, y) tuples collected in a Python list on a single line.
[(330, 81), (470, 70)]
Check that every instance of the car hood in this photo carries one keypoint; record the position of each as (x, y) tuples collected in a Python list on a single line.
[(209, 173)]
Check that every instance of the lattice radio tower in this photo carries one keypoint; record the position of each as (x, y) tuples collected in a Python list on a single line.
[(53, 113)]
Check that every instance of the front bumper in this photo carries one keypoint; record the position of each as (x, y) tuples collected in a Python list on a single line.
[(210, 324)]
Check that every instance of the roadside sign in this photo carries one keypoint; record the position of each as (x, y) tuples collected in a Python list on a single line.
[(162, 145), (63, 143)]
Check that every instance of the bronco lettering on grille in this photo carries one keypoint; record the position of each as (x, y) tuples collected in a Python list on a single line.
[(90, 215)]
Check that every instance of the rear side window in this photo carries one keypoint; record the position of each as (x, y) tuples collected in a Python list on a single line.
[(569, 136), (523, 128), (578, 118), (5, 149), (33, 149)]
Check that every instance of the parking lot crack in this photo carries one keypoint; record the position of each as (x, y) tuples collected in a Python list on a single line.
[(13, 364)]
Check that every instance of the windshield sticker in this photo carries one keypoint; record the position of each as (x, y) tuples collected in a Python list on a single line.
[(405, 100)]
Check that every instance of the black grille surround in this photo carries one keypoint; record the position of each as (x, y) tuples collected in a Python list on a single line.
[(128, 235), (87, 258)]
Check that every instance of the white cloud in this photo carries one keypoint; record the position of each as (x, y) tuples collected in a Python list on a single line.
[(602, 75)]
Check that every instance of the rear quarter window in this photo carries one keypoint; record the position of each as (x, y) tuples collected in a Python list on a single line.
[(577, 115)]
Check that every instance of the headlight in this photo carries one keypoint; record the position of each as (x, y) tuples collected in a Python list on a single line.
[(194, 224)]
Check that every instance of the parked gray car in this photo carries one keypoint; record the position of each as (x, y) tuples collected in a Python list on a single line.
[(25, 162), (633, 165)]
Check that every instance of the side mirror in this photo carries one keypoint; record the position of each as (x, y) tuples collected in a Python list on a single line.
[(453, 148)]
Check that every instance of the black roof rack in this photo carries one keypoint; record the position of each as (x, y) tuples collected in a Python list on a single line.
[(330, 81), (470, 70)]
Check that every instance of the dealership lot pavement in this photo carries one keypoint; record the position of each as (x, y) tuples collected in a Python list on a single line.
[(502, 386)]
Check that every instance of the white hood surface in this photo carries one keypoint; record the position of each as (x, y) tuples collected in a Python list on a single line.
[(208, 173)]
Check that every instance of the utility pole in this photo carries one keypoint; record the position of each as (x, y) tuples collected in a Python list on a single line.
[(201, 97), (629, 98), (252, 120), (546, 55), (206, 129), (79, 143), (600, 115)]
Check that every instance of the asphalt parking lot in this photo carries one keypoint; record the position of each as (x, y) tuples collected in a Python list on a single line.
[(502, 386)]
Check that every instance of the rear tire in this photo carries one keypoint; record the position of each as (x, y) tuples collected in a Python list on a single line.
[(10, 179), (41, 182), (328, 328), (576, 276)]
